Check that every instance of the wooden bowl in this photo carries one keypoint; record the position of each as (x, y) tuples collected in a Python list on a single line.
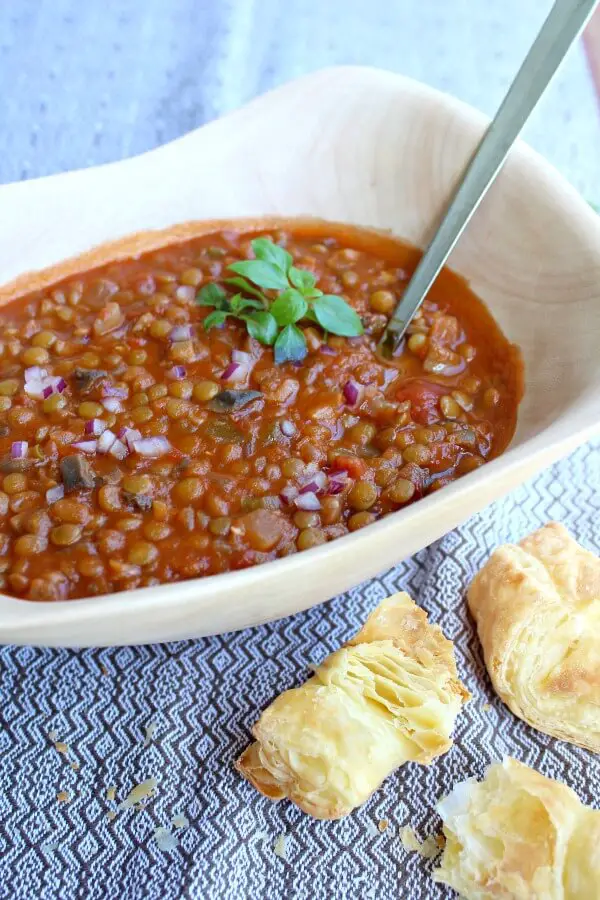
[(347, 144)]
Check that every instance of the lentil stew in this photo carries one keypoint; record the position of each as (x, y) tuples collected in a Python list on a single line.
[(138, 448)]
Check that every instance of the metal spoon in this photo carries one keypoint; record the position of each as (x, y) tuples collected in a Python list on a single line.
[(566, 20)]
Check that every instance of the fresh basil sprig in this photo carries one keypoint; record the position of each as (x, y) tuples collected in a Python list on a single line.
[(272, 320)]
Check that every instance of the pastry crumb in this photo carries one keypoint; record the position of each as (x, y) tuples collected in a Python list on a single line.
[(63, 797), (61, 747), (52, 736), (487, 707), (409, 839), (139, 793), (111, 815), (428, 849), (382, 825), (280, 847), (149, 733), (111, 792), (180, 821)]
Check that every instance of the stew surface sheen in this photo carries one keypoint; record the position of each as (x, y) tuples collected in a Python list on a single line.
[(128, 460)]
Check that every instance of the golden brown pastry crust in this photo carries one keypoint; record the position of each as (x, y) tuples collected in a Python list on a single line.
[(537, 609), (518, 835), (390, 695)]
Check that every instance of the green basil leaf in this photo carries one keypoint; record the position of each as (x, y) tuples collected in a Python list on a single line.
[(261, 326), (289, 307), (290, 345), (212, 295), (239, 303), (251, 304), (335, 315), (214, 319), (272, 253), (235, 303), (248, 288), (261, 273), (302, 279)]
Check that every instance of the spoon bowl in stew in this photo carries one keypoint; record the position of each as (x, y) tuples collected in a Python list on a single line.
[(532, 256)]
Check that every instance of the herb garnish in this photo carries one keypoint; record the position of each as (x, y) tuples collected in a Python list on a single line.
[(273, 321)]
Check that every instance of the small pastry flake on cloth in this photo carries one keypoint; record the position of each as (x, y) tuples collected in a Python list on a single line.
[(518, 835), (537, 608), (389, 696)]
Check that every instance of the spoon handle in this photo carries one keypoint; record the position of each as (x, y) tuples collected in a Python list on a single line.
[(565, 22)]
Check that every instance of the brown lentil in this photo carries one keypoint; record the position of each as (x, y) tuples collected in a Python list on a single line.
[(65, 535), (362, 495)]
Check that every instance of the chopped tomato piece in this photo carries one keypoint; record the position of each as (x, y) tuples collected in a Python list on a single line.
[(445, 332), (354, 465), (443, 456), (424, 398)]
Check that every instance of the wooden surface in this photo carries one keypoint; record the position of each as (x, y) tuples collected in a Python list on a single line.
[(532, 253)]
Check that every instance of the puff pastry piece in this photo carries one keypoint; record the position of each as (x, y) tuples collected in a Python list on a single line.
[(519, 836), (389, 696), (537, 608)]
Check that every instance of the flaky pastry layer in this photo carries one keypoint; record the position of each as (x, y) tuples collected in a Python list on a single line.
[(537, 609), (389, 696)]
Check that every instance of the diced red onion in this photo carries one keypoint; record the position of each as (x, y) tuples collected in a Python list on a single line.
[(315, 483), (234, 372), (34, 389), (337, 482), (112, 404), (353, 392), (40, 385), (308, 501), (118, 450), (244, 359), (86, 446), (327, 350), (114, 390), (289, 493), (288, 428), (152, 446), (176, 373), (55, 493), (35, 373), (128, 436), (95, 427), (106, 440), (19, 449), (181, 333)]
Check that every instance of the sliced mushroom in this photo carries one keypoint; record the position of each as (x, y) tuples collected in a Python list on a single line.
[(85, 379), (8, 465), (76, 473), (141, 502), (231, 401)]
